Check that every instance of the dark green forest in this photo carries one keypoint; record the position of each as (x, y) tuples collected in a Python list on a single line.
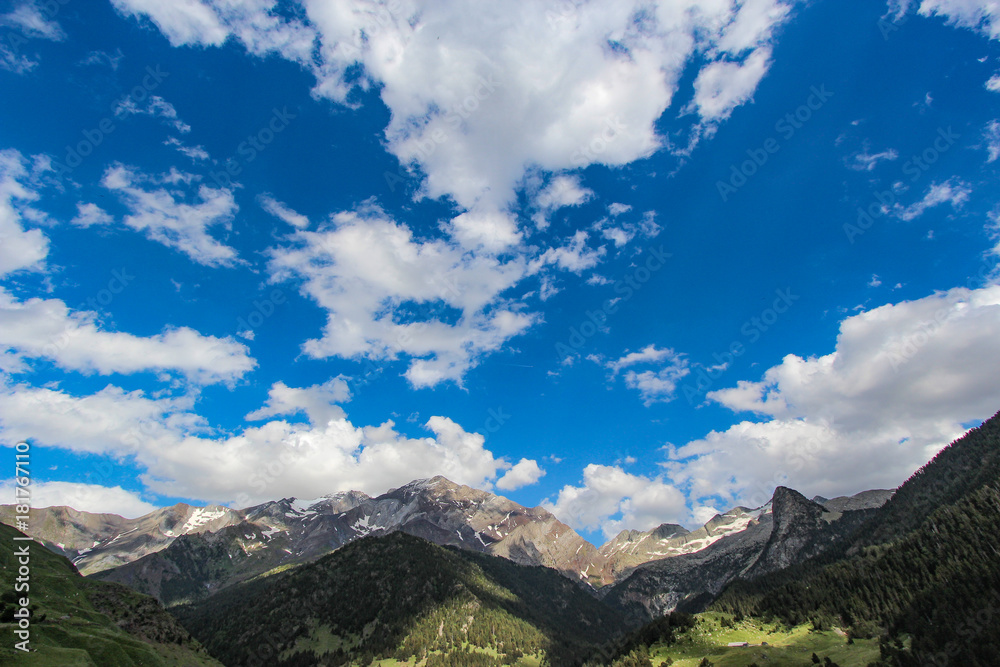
[(400, 596), (923, 574)]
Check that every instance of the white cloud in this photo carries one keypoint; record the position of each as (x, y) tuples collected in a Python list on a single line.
[(624, 232), (900, 383), (154, 106), (992, 135), (491, 232), (980, 15), (953, 191), (524, 473), (647, 355), (722, 86), (611, 499), (616, 209), (19, 248), (993, 84), (84, 497), (47, 329), (387, 292), (658, 384), (865, 161), (282, 212), (27, 17), (158, 208), (196, 153), (318, 402), (182, 21), (564, 100), (561, 191), (575, 256), (14, 62), (111, 421), (277, 459), (91, 214)]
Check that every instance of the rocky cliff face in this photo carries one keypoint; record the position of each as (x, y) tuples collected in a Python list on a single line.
[(630, 549), (788, 530), (866, 500)]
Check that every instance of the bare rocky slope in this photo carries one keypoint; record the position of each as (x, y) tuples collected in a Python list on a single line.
[(788, 530), (290, 532)]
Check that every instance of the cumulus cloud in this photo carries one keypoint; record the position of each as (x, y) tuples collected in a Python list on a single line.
[(648, 354), (387, 292), (472, 133), (20, 248), (575, 256), (901, 382), (90, 214), (612, 500), (157, 207), (472, 113), (487, 231), (658, 384), (48, 329), (319, 402), (182, 457), (722, 86), (84, 497), (560, 192), (523, 473)]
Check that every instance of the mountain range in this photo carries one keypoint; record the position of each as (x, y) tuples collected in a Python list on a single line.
[(184, 553), (443, 574)]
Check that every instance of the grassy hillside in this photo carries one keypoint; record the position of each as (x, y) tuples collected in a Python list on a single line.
[(77, 622), (401, 598)]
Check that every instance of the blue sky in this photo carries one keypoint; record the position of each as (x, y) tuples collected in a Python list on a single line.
[(637, 262)]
